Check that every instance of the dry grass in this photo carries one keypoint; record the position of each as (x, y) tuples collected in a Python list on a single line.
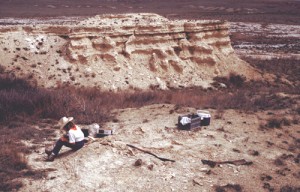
[(12, 152), (90, 104), (287, 68), (289, 189), (21, 102), (229, 187), (275, 122)]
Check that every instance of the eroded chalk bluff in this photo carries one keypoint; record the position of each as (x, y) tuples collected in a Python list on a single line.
[(116, 52)]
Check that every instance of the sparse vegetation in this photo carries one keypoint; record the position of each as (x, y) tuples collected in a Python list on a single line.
[(282, 68), (229, 187), (276, 123), (12, 159), (233, 81), (19, 98), (289, 189), (23, 102)]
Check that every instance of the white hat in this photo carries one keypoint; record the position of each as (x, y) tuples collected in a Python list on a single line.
[(64, 120)]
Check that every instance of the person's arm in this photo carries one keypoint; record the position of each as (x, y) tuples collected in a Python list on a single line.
[(65, 137)]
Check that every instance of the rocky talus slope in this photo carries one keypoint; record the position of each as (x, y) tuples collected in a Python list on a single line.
[(124, 51)]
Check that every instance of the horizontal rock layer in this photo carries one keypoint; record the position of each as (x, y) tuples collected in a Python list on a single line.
[(116, 52)]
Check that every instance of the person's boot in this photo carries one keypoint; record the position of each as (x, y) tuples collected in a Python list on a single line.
[(51, 157)]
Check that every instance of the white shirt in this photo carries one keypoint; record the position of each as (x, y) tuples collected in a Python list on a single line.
[(75, 135)]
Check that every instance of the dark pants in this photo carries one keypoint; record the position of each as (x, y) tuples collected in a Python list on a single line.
[(61, 143)]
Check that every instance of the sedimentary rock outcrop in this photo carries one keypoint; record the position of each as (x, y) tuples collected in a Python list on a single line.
[(120, 52)]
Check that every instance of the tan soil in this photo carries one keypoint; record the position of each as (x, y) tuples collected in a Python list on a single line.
[(107, 164)]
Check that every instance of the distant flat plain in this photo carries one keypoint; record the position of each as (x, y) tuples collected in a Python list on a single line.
[(269, 11)]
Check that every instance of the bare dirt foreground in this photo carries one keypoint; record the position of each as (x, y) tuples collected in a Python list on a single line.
[(108, 164)]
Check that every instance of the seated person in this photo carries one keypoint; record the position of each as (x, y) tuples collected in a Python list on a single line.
[(74, 138)]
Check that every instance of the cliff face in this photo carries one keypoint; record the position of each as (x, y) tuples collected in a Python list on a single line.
[(120, 52)]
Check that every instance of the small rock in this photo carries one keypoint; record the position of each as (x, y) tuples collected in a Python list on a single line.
[(204, 169), (222, 85), (138, 163), (150, 167), (114, 150), (197, 182), (253, 152)]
